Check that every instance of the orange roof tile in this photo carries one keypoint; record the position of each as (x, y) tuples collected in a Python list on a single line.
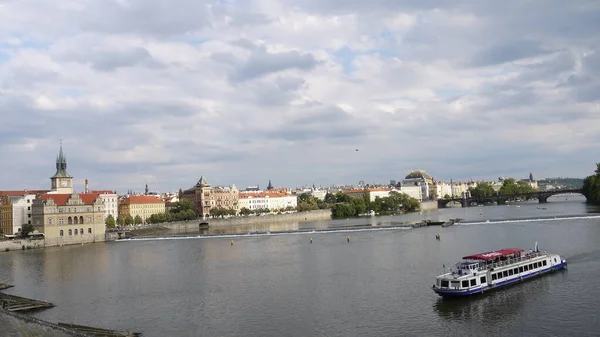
[(263, 195), (62, 199), (141, 199), (103, 192), (22, 192)]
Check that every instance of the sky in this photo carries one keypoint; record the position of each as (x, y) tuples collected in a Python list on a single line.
[(299, 92)]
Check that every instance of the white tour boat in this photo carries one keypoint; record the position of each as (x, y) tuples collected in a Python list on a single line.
[(486, 271)]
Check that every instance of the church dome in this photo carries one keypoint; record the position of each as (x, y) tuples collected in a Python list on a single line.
[(418, 174)]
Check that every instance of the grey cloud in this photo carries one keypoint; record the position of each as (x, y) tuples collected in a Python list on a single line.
[(146, 17), (108, 58), (499, 53), (321, 122), (260, 62), (591, 64), (277, 92)]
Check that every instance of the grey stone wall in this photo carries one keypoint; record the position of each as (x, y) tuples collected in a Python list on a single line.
[(19, 244), (429, 205), (16, 325), (74, 240), (322, 214)]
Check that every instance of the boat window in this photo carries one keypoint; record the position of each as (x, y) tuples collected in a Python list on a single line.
[(473, 282), (521, 269), (526, 267), (444, 283), (510, 272), (530, 266), (505, 273), (465, 284), (544, 263), (516, 271), (455, 284), (494, 277), (482, 279)]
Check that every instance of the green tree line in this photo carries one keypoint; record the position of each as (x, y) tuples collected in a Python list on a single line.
[(591, 187), (345, 206), (509, 187)]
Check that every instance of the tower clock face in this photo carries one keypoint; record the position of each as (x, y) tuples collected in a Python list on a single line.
[(63, 183)]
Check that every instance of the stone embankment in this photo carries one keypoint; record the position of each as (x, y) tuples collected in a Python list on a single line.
[(21, 244), (318, 215), (429, 206)]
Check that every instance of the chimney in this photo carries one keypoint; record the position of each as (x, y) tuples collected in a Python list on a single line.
[(87, 187)]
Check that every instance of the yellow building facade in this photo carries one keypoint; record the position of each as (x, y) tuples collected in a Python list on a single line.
[(141, 205), (69, 218)]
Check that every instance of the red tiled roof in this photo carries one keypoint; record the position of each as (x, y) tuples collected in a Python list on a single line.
[(62, 199), (103, 192), (263, 194), (141, 199), (22, 192)]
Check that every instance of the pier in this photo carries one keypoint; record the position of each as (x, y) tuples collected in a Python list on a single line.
[(5, 286), (98, 332), (19, 304)]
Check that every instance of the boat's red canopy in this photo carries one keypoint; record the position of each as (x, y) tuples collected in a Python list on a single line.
[(493, 255)]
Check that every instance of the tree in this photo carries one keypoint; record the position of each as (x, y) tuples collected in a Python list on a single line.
[(182, 206), (591, 187), (128, 220), (138, 220), (245, 211), (26, 229), (482, 190), (110, 221), (121, 220)]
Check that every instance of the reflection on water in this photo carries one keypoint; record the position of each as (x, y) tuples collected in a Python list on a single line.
[(497, 305)]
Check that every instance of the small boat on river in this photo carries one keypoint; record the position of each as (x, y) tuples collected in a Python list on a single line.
[(492, 270)]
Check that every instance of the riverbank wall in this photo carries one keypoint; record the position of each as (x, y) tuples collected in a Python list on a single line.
[(427, 206), (317, 215), (20, 244)]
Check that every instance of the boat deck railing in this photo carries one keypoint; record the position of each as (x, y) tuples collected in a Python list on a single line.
[(458, 272), (526, 257)]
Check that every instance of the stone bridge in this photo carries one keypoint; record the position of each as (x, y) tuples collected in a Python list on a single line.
[(541, 196)]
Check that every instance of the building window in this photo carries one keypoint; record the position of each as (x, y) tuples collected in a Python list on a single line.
[(89, 231), (81, 231), (70, 232), (89, 219), (62, 233), (81, 219), (75, 220), (75, 231), (49, 221), (60, 221), (69, 220)]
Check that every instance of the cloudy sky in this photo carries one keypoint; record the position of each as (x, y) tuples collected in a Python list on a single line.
[(166, 91)]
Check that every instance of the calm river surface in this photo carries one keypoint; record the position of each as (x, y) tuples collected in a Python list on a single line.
[(281, 285)]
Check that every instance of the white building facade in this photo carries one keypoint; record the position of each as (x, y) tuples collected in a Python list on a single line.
[(111, 203)]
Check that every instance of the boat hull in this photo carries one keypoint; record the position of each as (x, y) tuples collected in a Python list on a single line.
[(452, 293)]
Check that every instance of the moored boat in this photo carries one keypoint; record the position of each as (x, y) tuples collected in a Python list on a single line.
[(492, 270)]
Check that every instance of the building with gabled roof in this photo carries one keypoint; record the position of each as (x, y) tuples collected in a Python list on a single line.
[(200, 195), (69, 218)]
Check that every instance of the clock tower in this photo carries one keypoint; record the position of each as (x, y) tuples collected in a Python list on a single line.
[(62, 182)]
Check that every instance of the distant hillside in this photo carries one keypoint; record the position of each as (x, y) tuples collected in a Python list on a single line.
[(562, 182)]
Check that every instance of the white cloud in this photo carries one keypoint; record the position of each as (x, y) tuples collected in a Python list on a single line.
[(243, 92)]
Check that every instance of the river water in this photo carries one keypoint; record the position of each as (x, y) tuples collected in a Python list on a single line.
[(378, 284)]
